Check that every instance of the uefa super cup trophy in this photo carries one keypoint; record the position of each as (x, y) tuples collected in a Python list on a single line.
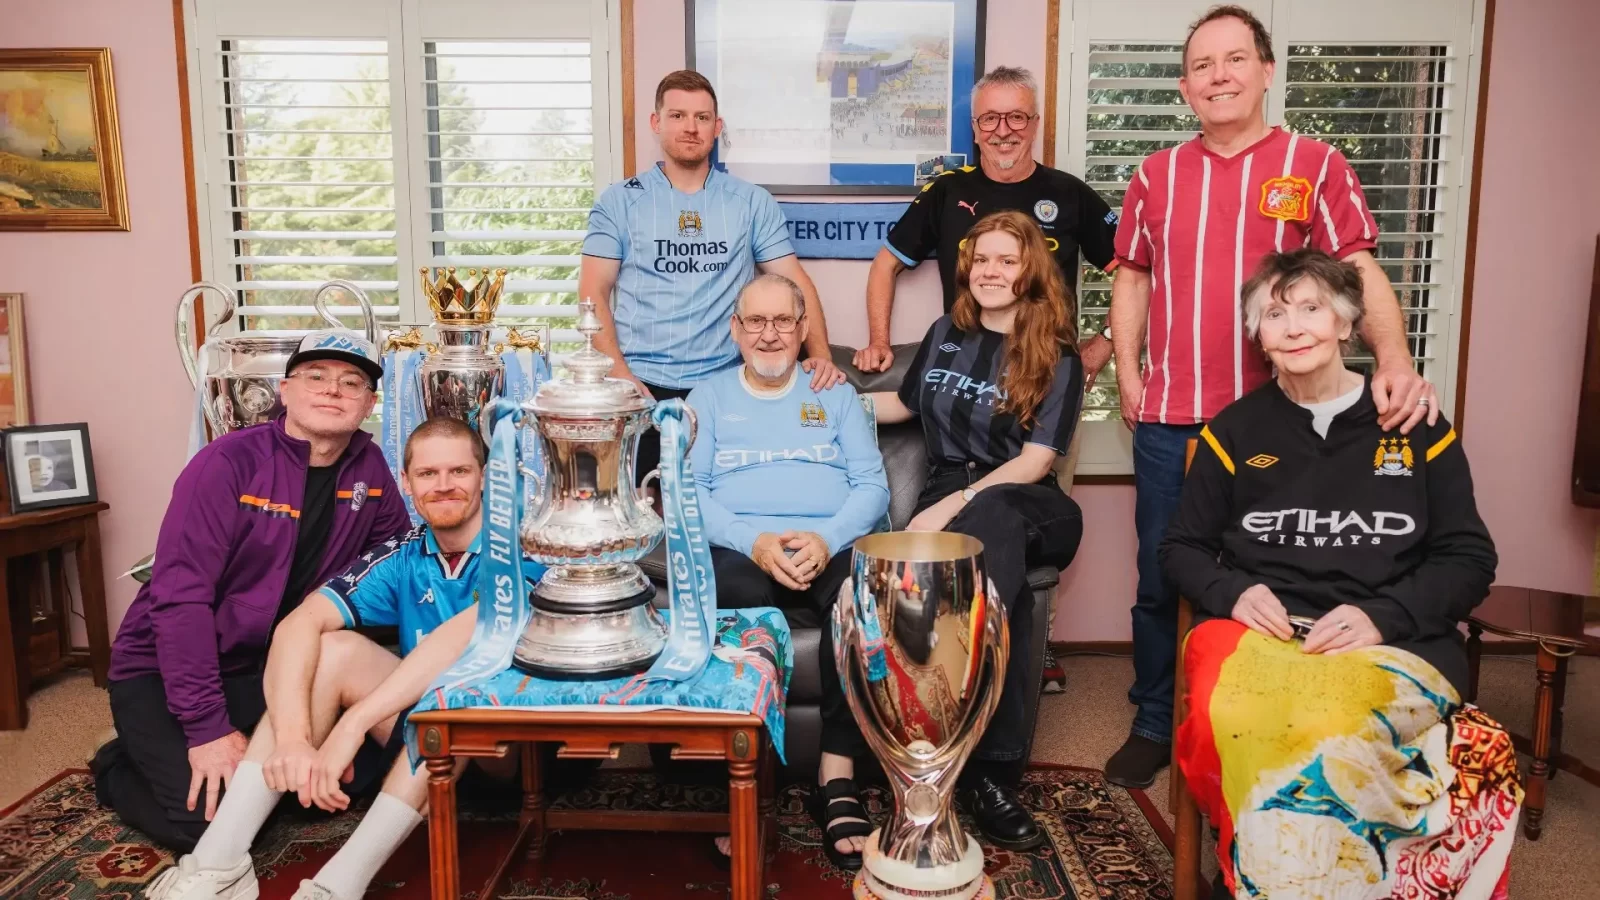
[(592, 611), (240, 374), (921, 645)]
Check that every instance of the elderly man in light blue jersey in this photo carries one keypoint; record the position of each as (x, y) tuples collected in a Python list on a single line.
[(677, 242), (423, 584), (789, 477)]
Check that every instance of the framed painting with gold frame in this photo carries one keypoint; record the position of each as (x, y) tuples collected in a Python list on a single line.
[(14, 406), (60, 155)]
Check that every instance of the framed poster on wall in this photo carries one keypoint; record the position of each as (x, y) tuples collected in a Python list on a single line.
[(839, 96)]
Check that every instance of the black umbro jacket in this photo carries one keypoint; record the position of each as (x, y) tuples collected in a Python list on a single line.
[(1377, 520)]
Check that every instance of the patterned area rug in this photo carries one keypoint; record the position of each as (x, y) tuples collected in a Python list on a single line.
[(1105, 843)]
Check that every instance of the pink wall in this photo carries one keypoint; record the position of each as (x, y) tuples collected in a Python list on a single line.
[(100, 304), (1531, 299)]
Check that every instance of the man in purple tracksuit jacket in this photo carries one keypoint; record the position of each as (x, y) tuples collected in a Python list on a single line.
[(259, 518)]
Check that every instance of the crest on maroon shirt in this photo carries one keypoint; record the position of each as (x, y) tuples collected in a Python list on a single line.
[(358, 496)]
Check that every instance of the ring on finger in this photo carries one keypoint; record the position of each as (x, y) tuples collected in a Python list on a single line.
[(1344, 626)]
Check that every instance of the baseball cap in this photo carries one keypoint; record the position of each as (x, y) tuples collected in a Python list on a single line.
[(344, 346)]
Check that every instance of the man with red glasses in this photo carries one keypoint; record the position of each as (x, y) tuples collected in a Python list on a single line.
[(258, 518), (1005, 114)]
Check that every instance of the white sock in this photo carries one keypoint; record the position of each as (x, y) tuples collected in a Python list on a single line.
[(385, 827), (244, 809)]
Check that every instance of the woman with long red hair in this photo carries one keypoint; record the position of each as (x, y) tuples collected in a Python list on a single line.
[(998, 386)]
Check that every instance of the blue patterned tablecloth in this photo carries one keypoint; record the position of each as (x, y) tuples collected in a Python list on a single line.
[(749, 672)]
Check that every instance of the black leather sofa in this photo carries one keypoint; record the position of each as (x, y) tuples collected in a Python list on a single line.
[(905, 462)]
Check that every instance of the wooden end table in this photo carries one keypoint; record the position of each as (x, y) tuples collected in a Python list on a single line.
[(738, 738), (36, 637), (1554, 622)]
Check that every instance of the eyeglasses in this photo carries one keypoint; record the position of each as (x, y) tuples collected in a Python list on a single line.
[(1017, 119), (347, 386), (758, 324)]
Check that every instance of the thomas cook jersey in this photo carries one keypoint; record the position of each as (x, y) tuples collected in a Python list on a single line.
[(408, 583), (684, 258)]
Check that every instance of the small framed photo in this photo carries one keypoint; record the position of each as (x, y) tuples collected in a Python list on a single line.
[(49, 465)]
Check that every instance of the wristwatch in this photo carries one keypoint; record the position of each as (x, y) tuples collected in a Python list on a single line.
[(967, 494), (1106, 332)]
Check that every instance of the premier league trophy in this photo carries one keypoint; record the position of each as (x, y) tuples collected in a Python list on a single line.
[(921, 648), (592, 611), (238, 376), (462, 375)]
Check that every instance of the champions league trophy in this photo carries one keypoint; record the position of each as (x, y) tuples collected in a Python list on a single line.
[(592, 611), (922, 646), (462, 375), (239, 375)]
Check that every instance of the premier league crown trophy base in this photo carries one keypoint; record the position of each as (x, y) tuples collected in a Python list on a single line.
[(922, 647), (592, 610), (240, 375)]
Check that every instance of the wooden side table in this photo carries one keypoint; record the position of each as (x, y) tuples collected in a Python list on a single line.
[(738, 738), (1554, 622), (28, 651)]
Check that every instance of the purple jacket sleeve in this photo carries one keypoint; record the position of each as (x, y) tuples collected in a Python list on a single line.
[(393, 520), (196, 540)]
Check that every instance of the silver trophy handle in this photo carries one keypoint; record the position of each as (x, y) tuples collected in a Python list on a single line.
[(538, 480), (186, 347), (320, 301)]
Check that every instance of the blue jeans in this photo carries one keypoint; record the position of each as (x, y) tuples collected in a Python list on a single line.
[(1158, 452)]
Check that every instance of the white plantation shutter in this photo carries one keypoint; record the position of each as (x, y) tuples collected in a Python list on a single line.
[(511, 173), (365, 139), (310, 174), (1392, 85)]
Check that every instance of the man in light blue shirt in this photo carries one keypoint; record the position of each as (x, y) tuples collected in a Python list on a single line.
[(677, 242), (789, 477)]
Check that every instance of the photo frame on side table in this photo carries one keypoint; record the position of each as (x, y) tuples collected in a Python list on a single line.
[(60, 153), (838, 96), (49, 465)]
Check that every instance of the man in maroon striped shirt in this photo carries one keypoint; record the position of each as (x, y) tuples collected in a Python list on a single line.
[(1196, 221)]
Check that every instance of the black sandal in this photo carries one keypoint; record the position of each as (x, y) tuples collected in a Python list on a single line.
[(839, 799)]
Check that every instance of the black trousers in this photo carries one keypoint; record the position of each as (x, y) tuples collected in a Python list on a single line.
[(742, 583), (650, 441), (143, 775), (1021, 526)]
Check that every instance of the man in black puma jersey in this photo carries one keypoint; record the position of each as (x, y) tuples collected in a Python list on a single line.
[(1005, 111)]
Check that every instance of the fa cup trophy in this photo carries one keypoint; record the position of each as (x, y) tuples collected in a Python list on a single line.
[(462, 374), (592, 610), (921, 646), (240, 374)]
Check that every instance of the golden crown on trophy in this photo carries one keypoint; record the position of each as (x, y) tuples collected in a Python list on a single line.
[(455, 303)]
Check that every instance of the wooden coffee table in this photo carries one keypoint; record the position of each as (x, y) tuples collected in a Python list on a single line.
[(1554, 623), (445, 735)]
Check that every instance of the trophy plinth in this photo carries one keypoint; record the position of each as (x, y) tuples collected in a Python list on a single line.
[(921, 650), (592, 610)]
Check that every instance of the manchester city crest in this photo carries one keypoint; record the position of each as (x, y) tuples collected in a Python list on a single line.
[(1046, 210), (1393, 457), (689, 224)]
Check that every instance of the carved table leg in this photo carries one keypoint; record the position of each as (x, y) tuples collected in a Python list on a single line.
[(533, 798), (1539, 772), (442, 849), (743, 823), (1559, 701)]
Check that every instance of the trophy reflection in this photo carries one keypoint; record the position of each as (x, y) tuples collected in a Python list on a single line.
[(921, 646)]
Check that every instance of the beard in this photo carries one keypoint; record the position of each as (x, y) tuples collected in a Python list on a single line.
[(770, 369), (998, 145), (453, 517), (676, 155)]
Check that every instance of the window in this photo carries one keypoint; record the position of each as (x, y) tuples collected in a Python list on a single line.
[(1392, 86), (366, 139)]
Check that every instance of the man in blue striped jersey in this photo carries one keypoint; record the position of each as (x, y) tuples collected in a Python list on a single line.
[(677, 242), (336, 699)]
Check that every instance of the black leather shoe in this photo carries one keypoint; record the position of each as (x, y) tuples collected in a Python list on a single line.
[(1136, 763), (1000, 815)]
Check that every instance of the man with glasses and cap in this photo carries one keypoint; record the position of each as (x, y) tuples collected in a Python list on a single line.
[(1005, 115), (257, 519)]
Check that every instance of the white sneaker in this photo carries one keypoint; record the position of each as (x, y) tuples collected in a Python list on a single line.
[(187, 881), (310, 890)]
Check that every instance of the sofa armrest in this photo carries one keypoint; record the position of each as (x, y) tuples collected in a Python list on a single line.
[(1044, 578)]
